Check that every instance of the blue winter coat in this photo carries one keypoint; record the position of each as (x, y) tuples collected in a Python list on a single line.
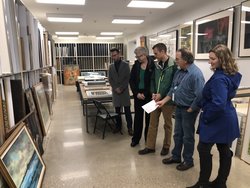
[(218, 121)]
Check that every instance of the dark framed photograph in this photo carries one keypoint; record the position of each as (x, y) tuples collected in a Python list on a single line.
[(186, 36), (212, 30), (20, 162), (245, 30)]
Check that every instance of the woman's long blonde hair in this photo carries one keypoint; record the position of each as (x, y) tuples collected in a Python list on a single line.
[(226, 60)]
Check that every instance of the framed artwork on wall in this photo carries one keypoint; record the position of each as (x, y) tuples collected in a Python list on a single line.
[(151, 40), (170, 39), (245, 155), (212, 30), (20, 161), (186, 36), (245, 30)]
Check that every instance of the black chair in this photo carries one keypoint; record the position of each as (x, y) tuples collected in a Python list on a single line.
[(104, 114)]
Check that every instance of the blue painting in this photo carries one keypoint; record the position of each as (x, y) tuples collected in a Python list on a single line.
[(23, 162)]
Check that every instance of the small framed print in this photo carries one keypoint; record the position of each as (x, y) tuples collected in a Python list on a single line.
[(186, 36), (245, 30)]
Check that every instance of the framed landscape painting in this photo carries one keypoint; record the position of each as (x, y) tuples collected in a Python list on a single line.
[(212, 30), (186, 36), (21, 163), (245, 30)]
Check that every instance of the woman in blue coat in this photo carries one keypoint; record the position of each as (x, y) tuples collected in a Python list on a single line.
[(218, 120)]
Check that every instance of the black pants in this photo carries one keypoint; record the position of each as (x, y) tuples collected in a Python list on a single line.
[(127, 115), (225, 153), (138, 120)]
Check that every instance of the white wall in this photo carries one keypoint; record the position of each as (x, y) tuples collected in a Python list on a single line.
[(198, 12)]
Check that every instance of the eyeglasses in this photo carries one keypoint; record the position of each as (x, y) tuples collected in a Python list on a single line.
[(139, 56)]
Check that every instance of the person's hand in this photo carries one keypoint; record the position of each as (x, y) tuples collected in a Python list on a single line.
[(118, 90), (160, 103), (163, 101), (156, 97), (140, 96), (189, 110)]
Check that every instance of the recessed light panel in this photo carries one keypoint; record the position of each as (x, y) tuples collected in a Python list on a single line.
[(127, 21), (149, 4), (64, 2), (111, 33)]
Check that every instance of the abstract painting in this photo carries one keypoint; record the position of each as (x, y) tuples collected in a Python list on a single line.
[(212, 30)]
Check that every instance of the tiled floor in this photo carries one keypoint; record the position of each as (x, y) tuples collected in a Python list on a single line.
[(74, 158)]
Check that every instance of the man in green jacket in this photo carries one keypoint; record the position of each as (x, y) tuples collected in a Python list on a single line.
[(160, 85)]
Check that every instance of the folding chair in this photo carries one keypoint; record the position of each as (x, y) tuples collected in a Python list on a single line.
[(104, 114)]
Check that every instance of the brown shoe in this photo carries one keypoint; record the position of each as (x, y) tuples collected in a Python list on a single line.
[(146, 151)]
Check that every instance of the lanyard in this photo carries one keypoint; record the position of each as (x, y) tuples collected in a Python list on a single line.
[(159, 82)]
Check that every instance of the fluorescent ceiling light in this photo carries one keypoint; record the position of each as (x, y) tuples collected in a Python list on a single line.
[(152, 39), (111, 33), (127, 21), (66, 33), (64, 18), (65, 2), (105, 38), (149, 4)]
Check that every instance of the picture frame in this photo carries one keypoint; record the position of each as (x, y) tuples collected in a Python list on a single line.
[(186, 36), (244, 50), (33, 122), (170, 39), (20, 162), (3, 183), (42, 106), (245, 155), (151, 41), (212, 30)]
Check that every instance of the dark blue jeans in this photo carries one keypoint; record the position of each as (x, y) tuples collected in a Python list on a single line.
[(184, 134)]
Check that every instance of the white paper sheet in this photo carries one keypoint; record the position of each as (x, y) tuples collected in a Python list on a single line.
[(150, 106)]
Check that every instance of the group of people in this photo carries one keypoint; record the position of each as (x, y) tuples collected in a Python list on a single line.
[(178, 87)]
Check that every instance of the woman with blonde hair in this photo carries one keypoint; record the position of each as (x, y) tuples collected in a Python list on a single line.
[(218, 120)]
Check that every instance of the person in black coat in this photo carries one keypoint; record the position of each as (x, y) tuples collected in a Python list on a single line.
[(140, 79)]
